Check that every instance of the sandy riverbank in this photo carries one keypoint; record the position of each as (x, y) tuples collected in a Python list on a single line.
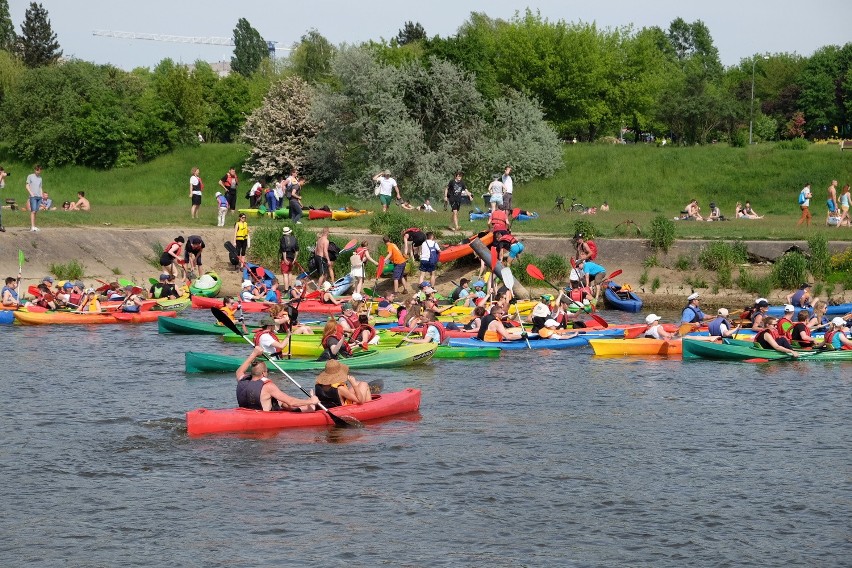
[(110, 252)]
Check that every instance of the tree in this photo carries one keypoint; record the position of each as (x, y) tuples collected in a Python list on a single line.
[(7, 28), (312, 57), (280, 130), (250, 49), (37, 44), (410, 33)]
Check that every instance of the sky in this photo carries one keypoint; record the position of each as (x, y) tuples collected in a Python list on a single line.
[(740, 28)]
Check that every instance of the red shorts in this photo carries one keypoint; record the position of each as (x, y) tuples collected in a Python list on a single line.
[(286, 266)]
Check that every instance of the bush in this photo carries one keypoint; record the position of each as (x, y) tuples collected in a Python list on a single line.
[(750, 283), (719, 254), (790, 270), (662, 233), (723, 277), (643, 278), (739, 139), (586, 227), (842, 262), (820, 260), (265, 240), (73, 270), (390, 224), (555, 267), (655, 284), (684, 262), (794, 144)]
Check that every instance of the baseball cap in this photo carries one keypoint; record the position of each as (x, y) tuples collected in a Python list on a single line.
[(247, 284), (757, 301), (838, 321), (652, 318), (479, 284), (164, 277), (266, 320), (428, 290), (47, 279), (67, 286), (723, 312), (693, 296), (551, 323), (789, 308), (218, 193)]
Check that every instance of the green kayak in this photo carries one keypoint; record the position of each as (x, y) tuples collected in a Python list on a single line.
[(739, 350), (191, 327), (207, 285), (401, 357)]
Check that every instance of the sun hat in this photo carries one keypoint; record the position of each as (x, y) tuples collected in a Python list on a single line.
[(540, 311), (651, 318), (286, 230), (693, 296), (479, 284), (789, 308), (334, 372), (838, 321), (247, 284), (266, 321), (326, 285), (723, 312), (218, 193), (90, 290), (356, 297), (551, 323)]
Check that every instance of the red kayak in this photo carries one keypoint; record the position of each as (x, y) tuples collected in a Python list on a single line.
[(142, 317), (457, 251), (202, 302), (204, 421), (315, 214)]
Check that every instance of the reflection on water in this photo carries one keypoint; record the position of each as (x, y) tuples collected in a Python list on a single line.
[(537, 458)]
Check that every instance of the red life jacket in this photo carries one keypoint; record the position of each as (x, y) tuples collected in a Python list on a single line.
[(338, 337), (780, 327), (260, 332), (759, 337), (410, 230), (507, 238), (170, 245), (352, 321), (232, 180), (362, 328), (424, 329), (499, 222), (593, 250)]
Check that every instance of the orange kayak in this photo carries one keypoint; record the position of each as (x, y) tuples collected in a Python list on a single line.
[(457, 251), (75, 318)]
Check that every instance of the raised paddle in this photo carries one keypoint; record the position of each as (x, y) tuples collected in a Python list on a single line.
[(340, 422), (509, 282), (534, 271), (379, 269), (21, 260)]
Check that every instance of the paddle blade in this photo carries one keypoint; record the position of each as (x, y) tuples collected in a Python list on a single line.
[(261, 272), (573, 263), (223, 318), (533, 271), (515, 212), (600, 320), (21, 258), (614, 274), (33, 290), (350, 245), (380, 268), (756, 360), (508, 278), (493, 258)]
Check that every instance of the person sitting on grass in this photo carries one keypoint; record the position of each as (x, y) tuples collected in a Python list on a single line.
[(692, 212), (82, 204), (749, 213), (715, 213), (255, 390)]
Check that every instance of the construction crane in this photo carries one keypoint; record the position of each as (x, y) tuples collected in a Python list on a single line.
[(271, 45)]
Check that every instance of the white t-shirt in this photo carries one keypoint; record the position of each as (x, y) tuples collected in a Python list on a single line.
[(266, 341), (654, 331), (507, 183), (386, 185), (433, 334), (805, 197), (427, 247), (247, 296), (194, 182), (255, 189)]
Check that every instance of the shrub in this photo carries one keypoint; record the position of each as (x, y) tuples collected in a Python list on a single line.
[(750, 283), (655, 284), (555, 267), (820, 260), (696, 281), (790, 270), (684, 262), (739, 139), (390, 224), (73, 270), (643, 278), (651, 261), (157, 249), (662, 233), (842, 261), (586, 227), (723, 277), (794, 144), (265, 241), (719, 254)]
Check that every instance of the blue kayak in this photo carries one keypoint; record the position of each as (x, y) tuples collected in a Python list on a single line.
[(536, 342), (838, 310), (7, 316), (621, 300)]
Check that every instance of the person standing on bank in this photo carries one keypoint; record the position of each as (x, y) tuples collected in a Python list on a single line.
[(229, 183), (241, 238), (508, 187), (804, 205), (35, 190), (196, 186), (387, 185), (3, 174), (288, 250), (455, 191)]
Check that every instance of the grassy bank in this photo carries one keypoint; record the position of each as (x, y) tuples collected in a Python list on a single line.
[(638, 181)]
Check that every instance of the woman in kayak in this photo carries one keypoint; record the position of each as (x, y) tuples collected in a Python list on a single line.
[(655, 329), (836, 335), (327, 296), (551, 331), (256, 390), (334, 342), (770, 338), (90, 302), (336, 387)]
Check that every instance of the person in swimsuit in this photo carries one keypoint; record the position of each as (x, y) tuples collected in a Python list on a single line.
[(336, 387), (255, 390)]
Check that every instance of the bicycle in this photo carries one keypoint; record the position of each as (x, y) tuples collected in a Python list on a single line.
[(576, 206)]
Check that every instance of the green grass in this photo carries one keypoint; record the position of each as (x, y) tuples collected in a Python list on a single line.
[(638, 181)]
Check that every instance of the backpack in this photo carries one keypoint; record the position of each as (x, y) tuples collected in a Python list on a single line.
[(287, 245), (333, 250), (433, 255), (801, 198), (288, 191), (593, 248)]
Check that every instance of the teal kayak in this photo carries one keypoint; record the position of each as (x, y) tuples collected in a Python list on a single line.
[(739, 350)]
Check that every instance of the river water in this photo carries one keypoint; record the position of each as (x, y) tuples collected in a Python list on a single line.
[(536, 459)]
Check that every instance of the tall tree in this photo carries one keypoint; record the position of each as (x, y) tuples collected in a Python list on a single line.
[(312, 57), (250, 49), (410, 33), (7, 28), (37, 44)]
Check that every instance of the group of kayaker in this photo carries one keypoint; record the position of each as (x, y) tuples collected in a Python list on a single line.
[(51, 294)]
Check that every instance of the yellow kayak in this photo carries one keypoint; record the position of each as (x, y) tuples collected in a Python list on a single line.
[(343, 215)]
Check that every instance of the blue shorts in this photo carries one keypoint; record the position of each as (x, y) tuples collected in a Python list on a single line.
[(398, 271), (35, 203), (832, 207), (426, 266), (498, 199), (515, 250)]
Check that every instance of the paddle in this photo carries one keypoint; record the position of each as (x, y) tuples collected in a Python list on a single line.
[(509, 282), (349, 246), (338, 421), (379, 268), (21, 260), (534, 271), (787, 357)]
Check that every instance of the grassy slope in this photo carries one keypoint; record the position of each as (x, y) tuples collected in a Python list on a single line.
[(638, 181)]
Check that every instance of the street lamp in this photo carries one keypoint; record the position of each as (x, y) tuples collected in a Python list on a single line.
[(751, 109)]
